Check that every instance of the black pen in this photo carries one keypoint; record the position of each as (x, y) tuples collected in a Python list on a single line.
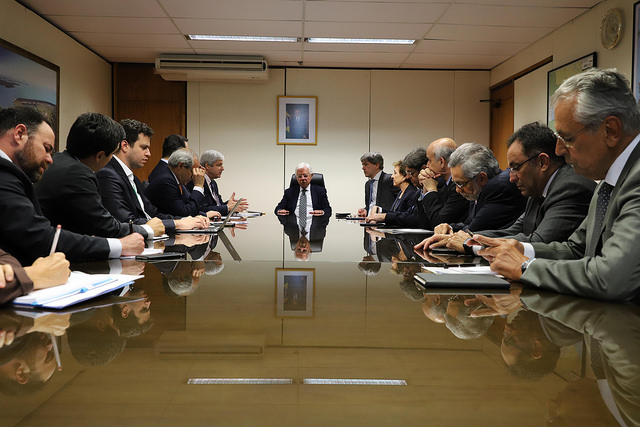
[(470, 233), (130, 226)]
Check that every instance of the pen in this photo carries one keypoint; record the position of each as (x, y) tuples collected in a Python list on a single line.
[(471, 233), (130, 226), (56, 352), (55, 240)]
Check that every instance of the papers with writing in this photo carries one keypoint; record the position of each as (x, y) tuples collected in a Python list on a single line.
[(79, 287)]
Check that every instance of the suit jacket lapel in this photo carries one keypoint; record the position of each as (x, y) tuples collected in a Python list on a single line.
[(130, 192)]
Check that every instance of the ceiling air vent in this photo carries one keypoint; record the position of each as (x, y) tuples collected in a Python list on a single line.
[(207, 68)]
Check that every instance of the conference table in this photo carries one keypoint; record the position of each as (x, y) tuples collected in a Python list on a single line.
[(260, 325)]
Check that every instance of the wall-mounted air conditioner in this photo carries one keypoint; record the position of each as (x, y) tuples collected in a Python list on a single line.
[(212, 68)]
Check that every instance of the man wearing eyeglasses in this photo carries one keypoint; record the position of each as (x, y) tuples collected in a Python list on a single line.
[(558, 199), (598, 130), (438, 200), (496, 202)]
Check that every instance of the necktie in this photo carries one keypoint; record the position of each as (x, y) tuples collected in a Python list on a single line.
[(371, 194), (135, 190), (214, 194), (604, 195), (302, 211)]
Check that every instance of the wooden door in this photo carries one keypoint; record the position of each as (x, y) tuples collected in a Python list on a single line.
[(501, 120)]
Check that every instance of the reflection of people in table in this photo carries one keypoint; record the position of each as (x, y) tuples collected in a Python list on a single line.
[(297, 121)]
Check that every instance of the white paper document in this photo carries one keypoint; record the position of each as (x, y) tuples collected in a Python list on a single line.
[(79, 287), (476, 269)]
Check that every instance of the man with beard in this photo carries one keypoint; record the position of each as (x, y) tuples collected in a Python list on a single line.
[(26, 143)]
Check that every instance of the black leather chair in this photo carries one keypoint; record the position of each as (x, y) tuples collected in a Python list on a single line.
[(316, 179)]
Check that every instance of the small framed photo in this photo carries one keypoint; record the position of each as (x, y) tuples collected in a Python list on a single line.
[(558, 75), (294, 292), (297, 120)]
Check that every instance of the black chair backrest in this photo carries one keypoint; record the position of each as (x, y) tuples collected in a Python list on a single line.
[(316, 179)]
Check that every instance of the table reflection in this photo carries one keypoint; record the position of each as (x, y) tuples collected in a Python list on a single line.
[(215, 317)]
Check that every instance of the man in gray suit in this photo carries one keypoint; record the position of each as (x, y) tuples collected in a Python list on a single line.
[(379, 189), (598, 129), (558, 199)]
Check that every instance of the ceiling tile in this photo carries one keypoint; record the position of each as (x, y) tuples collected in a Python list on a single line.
[(487, 34), (282, 10), (239, 28), (110, 24), (374, 12), (137, 8)]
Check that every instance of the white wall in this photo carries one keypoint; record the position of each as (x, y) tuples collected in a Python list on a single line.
[(85, 78), (571, 41), (358, 111)]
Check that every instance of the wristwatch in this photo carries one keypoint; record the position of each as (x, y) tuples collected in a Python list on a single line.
[(526, 264)]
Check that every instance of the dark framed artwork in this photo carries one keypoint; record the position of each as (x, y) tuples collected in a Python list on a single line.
[(26, 80), (556, 76), (297, 120), (294, 292)]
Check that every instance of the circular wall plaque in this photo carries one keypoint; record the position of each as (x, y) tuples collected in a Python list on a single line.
[(611, 28)]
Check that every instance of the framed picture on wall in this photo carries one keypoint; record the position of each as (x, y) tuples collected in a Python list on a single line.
[(294, 292), (556, 76), (636, 50), (297, 120), (27, 80)]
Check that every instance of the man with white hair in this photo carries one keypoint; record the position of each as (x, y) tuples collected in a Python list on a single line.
[(212, 163), (304, 199)]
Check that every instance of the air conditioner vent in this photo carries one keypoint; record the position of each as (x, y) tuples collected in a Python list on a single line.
[(212, 68)]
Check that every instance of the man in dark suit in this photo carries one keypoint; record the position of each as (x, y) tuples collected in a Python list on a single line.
[(26, 143), (598, 130), (171, 144), (68, 191), (496, 202), (316, 204), (169, 193), (307, 240), (379, 189), (414, 162), (213, 163), (437, 199), (122, 192), (558, 199), (440, 202)]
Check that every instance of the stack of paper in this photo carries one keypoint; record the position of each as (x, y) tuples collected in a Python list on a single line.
[(79, 287)]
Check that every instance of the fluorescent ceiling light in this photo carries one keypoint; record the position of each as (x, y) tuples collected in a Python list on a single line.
[(209, 37), (209, 381), (340, 381), (357, 41)]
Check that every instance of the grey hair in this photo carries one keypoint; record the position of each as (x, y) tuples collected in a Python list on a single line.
[(183, 156), (373, 157), (474, 158), (599, 94), (303, 165), (443, 151), (209, 157), (212, 267)]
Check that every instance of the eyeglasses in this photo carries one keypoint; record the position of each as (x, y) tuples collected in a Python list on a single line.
[(462, 184), (516, 168), (569, 140)]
